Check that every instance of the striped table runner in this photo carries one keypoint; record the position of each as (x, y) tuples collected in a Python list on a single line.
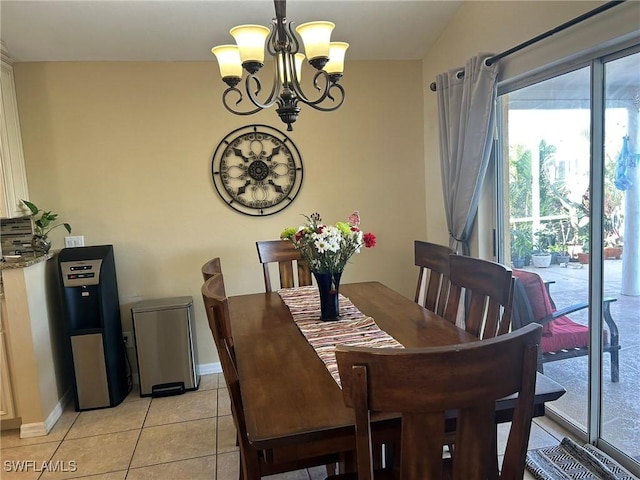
[(353, 329)]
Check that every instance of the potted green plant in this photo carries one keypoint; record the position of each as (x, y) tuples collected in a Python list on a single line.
[(559, 251), (563, 228), (521, 246), (43, 223), (541, 257), (612, 223), (583, 256), (612, 250)]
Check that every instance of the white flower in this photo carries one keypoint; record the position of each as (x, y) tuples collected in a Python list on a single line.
[(334, 244), (320, 243)]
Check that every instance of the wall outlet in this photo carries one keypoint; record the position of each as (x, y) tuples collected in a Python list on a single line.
[(127, 338), (77, 241)]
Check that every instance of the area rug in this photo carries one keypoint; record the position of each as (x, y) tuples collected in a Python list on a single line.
[(569, 461)]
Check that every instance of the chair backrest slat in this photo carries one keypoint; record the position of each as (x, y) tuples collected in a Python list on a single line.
[(422, 384), (285, 254), (433, 261), (487, 288)]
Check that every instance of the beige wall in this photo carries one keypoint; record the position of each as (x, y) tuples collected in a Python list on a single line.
[(122, 151), (495, 27)]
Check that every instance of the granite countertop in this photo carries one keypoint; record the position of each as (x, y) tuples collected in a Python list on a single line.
[(24, 260)]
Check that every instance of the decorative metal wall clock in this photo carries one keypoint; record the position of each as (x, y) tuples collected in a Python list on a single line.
[(257, 170)]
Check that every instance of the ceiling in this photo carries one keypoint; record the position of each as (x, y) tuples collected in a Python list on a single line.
[(185, 30)]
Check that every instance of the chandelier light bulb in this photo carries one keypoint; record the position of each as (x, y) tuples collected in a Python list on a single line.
[(316, 37), (298, 59), (250, 40), (335, 65), (228, 57)]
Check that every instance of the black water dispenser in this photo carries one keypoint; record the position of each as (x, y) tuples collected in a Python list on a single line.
[(92, 312)]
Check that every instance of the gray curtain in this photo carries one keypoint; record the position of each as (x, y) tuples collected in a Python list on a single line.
[(466, 107)]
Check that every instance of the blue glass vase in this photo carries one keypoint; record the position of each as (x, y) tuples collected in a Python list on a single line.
[(328, 287)]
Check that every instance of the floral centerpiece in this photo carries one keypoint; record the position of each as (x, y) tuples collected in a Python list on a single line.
[(327, 249)]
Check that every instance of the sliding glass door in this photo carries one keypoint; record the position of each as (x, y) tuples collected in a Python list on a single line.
[(620, 407), (571, 213)]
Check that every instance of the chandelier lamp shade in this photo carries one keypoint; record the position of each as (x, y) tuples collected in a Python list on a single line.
[(284, 46)]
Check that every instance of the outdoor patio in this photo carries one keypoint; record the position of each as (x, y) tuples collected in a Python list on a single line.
[(621, 409)]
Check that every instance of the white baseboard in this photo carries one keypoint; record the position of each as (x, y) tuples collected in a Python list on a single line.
[(39, 429), (58, 409), (209, 368)]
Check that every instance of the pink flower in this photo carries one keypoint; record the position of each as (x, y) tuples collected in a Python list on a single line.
[(354, 218), (369, 240)]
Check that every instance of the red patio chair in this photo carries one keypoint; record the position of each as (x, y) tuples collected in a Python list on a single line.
[(561, 337)]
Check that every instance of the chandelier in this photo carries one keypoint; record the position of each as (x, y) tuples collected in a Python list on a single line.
[(283, 45)]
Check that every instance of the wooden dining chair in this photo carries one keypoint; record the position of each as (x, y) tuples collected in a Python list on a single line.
[(211, 267), (255, 464), (217, 309), (423, 384), (433, 278), (485, 289), (285, 254)]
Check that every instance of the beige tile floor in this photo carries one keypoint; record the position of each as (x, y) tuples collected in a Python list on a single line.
[(185, 437)]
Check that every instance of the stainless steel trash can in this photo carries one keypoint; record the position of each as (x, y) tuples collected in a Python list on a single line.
[(165, 346)]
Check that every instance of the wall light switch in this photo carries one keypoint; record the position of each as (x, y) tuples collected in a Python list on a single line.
[(77, 241)]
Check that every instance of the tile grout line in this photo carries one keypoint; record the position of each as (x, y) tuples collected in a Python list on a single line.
[(61, 440), (137, 440)]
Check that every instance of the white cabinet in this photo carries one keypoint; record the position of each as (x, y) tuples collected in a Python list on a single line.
[(12, 171), (7, 410)]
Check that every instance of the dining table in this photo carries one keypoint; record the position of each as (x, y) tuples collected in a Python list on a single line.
[(291, 400)]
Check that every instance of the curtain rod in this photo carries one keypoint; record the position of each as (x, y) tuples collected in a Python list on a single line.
[(491, 60)]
